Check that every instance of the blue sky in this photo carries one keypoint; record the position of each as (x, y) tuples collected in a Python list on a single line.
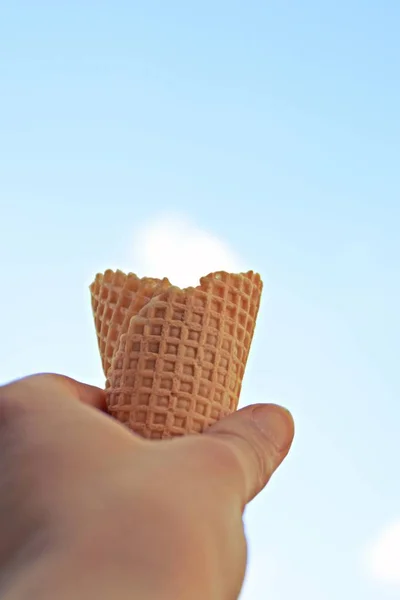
[(272, 127)]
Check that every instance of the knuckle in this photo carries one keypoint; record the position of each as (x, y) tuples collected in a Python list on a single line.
[(9, 408), (10, 435), (13, 405)]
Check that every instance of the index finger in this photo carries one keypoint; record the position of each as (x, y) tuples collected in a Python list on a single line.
[(52, 387)]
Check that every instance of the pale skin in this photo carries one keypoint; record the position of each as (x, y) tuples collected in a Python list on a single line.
[(90, 511)]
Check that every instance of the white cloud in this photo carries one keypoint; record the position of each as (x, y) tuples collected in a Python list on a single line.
[(174, 247), (382, 557)]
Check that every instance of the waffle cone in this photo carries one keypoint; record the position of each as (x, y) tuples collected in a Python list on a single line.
[(175, 365), (116, 298)]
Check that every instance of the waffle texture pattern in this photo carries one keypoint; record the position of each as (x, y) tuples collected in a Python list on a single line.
[(174, 358)]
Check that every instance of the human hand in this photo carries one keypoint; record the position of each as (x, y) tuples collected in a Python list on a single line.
[(89, 510)]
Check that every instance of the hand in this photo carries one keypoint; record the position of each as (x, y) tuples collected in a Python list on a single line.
[(89, 510)]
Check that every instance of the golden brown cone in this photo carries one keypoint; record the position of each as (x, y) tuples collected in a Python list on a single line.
[(179, 361)]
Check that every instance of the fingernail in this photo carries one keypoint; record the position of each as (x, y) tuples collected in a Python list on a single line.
[(276, 423)]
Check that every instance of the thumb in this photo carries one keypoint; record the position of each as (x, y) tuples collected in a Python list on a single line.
[(258, 438)]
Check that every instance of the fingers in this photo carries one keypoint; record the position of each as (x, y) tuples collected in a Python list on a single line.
[(85, 393), (49, 387), (253, 442)]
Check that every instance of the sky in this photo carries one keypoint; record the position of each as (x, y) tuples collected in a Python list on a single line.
[(175, 138)]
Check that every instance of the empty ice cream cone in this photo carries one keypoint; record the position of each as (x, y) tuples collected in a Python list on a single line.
[(174, 358)]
